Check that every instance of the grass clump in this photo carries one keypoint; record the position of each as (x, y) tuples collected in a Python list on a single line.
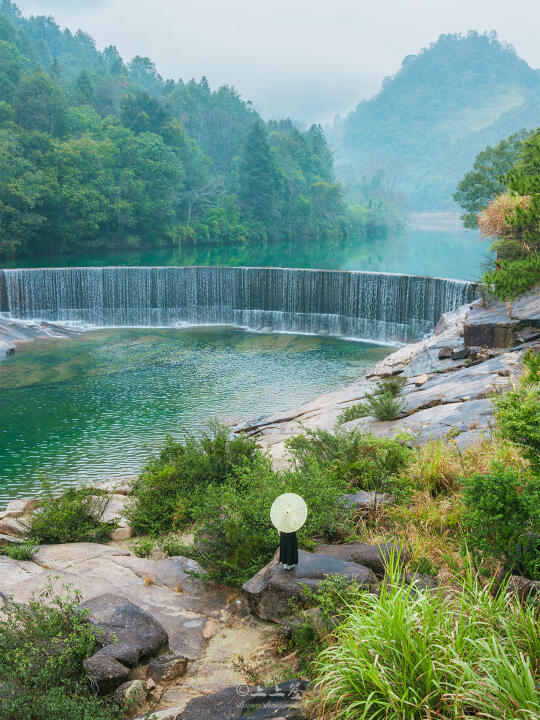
[(384, 404), (44, 644), (73, 516), (414, 654), (175, 479)]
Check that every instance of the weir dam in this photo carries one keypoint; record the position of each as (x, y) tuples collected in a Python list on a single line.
[(380, 307)]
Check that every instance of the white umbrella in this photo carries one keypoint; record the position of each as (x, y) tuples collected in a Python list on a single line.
[(288, 513)]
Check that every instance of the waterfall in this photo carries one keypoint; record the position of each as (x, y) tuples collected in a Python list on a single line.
[(374, 306)]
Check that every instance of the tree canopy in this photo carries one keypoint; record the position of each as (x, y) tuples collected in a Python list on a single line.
[(99, 153)]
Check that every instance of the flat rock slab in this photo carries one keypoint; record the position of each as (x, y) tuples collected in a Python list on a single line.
[(62, 557), (433, 423), (269, 591), (375, 557), (184, 606)]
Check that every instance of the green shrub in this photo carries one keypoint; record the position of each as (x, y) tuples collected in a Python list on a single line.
[(317, 614), (513, 278), (412, 654), (531, 363), (383, 405), (173, 481), (501, 507), (392, 385), (357, 459), (236, 538), (359, 410), (22, 551), (73, 516), (44, 644), (518, 419), (143, 547)]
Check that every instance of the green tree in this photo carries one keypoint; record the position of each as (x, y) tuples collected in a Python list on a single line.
[(488, 176), (40, 105), (259, 180), (84, 91)]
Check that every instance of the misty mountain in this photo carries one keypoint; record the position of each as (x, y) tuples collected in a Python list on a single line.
[(420, 134)]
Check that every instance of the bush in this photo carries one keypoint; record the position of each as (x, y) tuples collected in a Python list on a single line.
[(43, 646), (172, 482), (357, 459), (518, 419), (359, 410), (513, 278), (391, 385), (236, 538), (22, 551), (383, 404), (501, 507), (73, 516), (413, 654)]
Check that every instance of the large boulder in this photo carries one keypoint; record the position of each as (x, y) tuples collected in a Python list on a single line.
[(105, 673), (269, 591), (375, 557), (120, 620)]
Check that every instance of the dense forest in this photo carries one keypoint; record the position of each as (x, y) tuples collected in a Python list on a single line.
[(421, 133), (98, 153)]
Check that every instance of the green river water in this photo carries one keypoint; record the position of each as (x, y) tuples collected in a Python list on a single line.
[(87, 408)]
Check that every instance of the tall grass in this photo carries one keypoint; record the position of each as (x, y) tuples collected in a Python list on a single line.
[(411, 654)]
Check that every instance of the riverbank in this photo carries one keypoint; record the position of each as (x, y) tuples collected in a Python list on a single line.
[(473, 352)]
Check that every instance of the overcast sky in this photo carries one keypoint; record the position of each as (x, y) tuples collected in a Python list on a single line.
[(309, 59)]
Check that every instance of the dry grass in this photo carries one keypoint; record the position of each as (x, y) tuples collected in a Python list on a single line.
[(495, 220), (430, 525)]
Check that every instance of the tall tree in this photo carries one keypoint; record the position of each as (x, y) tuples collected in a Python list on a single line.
[(259, 179)]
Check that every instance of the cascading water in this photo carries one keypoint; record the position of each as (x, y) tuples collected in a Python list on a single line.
[(373, 306)]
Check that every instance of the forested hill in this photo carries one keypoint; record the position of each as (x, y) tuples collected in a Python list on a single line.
[(98, 153), (429, 121)]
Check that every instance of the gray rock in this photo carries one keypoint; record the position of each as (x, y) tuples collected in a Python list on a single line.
[(445, 353), (122, 621), (460, 354), (524, 588), (366, 500), (490, 334), (105, 673), (131, 695), (374, 557), (269, 591), (125, 653), (167, 667), (9, 540)]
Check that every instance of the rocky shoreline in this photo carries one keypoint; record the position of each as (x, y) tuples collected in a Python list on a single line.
[(15, 332), (474, 351)]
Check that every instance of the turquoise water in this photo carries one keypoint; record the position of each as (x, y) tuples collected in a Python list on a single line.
[(451, 253), (93, 407)]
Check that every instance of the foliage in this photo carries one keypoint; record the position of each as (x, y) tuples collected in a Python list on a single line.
[(358, 459), (413, 654), (19, 551), (488, 176), (501, 508), (512, 216), (44, 644), (172, 482), (353, 412), (235, 537), (95, 153), (73, 516), (518, 419), (423, 129), (531, 367)]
